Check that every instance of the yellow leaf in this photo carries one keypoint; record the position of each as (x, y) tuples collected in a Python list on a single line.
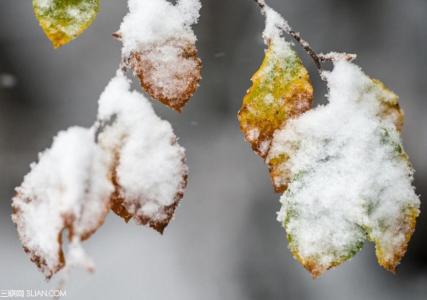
[(64, 20), (281, 90), (388, 254), (389, 102)]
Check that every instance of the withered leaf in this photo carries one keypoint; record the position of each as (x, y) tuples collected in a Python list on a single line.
[(168, 71), (68, 189), (147, 164)]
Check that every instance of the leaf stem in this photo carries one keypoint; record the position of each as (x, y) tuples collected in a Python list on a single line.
[(318, 59)]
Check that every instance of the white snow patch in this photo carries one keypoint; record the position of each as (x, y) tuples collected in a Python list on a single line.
[(151, 22)]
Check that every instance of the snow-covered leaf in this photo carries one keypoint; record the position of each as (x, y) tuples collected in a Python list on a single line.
[(281, 90), (68, 189), (389, 105), (168, 72), (129, 161), (160, 47), (64, 20), (349, 177), (148, 165)]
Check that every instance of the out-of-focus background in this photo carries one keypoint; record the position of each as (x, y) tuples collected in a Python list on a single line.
[(224, 242)]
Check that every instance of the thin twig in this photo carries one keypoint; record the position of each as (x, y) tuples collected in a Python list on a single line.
[(318, 59), (117, 35), (261, 3), (307, 48), (101, 125)]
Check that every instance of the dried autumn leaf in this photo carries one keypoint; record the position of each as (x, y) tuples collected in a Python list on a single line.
[(68, 189), (349, 177), (169, 72), (160, 47), (64, 20), (148, 165)]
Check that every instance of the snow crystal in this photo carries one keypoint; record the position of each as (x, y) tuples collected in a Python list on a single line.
[(351, 178), (151, 22), (151, 171), (68, 188)]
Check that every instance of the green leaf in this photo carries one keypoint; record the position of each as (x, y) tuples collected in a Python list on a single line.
[(64, 20)]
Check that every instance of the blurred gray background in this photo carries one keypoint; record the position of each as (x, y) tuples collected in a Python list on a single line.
[(224, 242)]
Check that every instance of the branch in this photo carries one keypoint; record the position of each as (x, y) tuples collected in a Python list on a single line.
[(318, 59)]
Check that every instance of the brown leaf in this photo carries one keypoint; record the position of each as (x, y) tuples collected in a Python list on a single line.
[(129, 209), (169, 72), (147, 164), (65, 191)]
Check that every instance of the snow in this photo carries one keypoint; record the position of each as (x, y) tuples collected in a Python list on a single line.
[(157, 21), (351, 177), (68, 188), (151, 169), (275, 24)]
